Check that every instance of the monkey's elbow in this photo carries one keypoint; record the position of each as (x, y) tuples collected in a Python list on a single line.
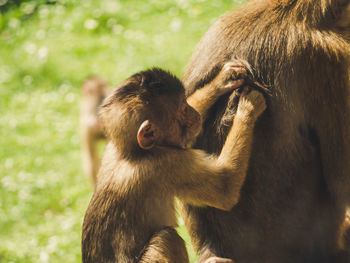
[(230, 203), (226, 208)]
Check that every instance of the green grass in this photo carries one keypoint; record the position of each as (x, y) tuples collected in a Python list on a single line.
[(46, 50)]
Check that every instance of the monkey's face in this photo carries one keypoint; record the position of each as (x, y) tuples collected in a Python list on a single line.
[(185, 126)]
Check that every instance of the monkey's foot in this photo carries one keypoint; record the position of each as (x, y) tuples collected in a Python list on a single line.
[(218, 260)]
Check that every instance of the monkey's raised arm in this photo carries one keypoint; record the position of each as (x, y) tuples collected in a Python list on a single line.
[(218, 182), (229, 78)]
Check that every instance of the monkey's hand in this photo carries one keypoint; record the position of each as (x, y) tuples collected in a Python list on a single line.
[(231, 76), (218, 260), (251, 105)]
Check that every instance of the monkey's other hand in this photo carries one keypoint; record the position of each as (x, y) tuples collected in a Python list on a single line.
[(218, 260), (251, 105), (231, 76)]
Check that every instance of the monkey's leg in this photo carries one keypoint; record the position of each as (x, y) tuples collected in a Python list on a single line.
[(165, 246), (89, 155)]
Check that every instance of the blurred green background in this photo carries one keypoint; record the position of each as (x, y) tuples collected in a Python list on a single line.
[(47, 48)]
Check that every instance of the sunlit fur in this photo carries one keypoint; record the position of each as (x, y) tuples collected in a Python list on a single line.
[(131, 215), (298, 184)]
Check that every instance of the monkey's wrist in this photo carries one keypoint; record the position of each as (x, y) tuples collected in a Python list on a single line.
[(247, 118), (216, 91)]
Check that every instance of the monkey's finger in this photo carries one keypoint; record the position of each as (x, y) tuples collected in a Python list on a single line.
[(234, 84), (255, 96), (234, 64), (235, 70), (239, 72)]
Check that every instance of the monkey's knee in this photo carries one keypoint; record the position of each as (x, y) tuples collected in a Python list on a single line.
[(165, 246)]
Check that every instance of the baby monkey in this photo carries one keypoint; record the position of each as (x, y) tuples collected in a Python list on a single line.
[(147, 163), (93, 92)]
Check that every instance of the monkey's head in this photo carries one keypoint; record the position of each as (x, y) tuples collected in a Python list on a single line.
[(94, 86), (149, 109)]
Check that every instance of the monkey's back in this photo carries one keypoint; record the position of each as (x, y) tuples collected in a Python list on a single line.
[(124, 212), (287, 212)]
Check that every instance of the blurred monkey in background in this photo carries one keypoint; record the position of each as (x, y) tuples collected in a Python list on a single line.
[(93, 92)]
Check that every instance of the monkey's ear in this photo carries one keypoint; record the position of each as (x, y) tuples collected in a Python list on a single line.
[(147, 135)]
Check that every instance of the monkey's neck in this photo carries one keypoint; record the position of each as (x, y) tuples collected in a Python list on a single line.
[(128, 150)]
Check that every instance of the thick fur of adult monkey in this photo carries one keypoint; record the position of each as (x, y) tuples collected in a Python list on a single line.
[(297, 188), (149, 123), (93, 92)]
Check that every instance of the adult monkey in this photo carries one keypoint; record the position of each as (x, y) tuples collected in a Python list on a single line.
[(298, 184)]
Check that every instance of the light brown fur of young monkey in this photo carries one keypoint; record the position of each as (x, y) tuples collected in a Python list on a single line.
[(93, 92), (131, 217)]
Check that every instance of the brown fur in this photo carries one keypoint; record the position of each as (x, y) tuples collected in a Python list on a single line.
[(93, 92), (298, 184), (344, 237), (131, 216), (166, 246)]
